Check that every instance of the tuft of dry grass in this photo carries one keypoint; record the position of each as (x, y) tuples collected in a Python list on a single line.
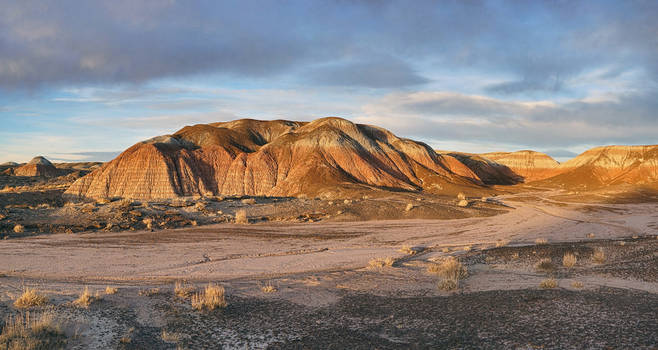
[(211, 298), (569, 260), (590, 235), (32, 332), (268, 288), (248, 201), (501, 243), (461, 196), (515, 256), (149, 292), (467, 248), (241, 217), (85, 299), (451, 270), (541, 241), (599, 256), (183, 290), (149, 223), (378, 263), (408, 250), (111, 290), (445, 249), (170, 337), (577, 284), (463, 203), (409, 207), (545, 264), (30, 298), (548, 283), (19, 228)]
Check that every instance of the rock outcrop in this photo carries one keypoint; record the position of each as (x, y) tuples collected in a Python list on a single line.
[(274, 158), (608, 166), (38, 166), (530, 165)]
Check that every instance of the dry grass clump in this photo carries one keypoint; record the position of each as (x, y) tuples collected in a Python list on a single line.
[(378, 263), (577, 284), (548, 283), (445, 249), (467, 248), (408, 250), (599, 256), (111, 290), (183, 290), (461, 196), (149, 292), (545, 264), (590, 235), (501, 243), (19, 228), (211, 298), (30, 298), (170, 337), (241, 217), (200, 206), (149, 223), (85, 299), (27, 332), (541, 241), (248, 201), (451, 270), (569, 260), (268, 288), (409, 207)]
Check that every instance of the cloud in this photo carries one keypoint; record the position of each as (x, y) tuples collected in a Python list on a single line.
[(377, 73), (457, 117), (83, 156)]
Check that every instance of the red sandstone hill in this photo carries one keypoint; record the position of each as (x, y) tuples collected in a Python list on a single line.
[(325, 158), (38, 166), (530, 165), (488, 171), (608, 166)]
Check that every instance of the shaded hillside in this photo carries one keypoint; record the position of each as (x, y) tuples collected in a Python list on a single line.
[(530, 165)]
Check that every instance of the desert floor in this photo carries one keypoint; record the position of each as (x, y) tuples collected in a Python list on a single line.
[(328, 296)]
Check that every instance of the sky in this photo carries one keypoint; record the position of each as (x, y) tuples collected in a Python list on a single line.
[(84, 80)]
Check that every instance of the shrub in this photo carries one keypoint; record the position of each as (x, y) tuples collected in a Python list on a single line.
[(183, 289), (599, 256), (409, 207), (541, 241), (548, 283), (111, 290), (32, 332), (19, 228), (408, 250), (569, 260), (241, 217), (467, 248), (449, 268), (268, 288), (248, 201), (149, 223), (577, 284), (30, 298), (211, 298), (501, 243), (545, 265), (85, 299), (381, 262)]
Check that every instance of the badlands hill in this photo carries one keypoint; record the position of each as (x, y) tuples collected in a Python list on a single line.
[(487, 170), (327, 157), (38, 166), (529, 165), (608, 166)]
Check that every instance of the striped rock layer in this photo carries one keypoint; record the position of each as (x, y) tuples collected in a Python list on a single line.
[(274, 158)]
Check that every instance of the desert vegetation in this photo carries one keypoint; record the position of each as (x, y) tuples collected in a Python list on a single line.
[(211, 298), (569, 260), (241, 217), (32, 331), (378, 263), (599, 256), (85, 299), (548, 283), (30, 298), (451, 271)]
